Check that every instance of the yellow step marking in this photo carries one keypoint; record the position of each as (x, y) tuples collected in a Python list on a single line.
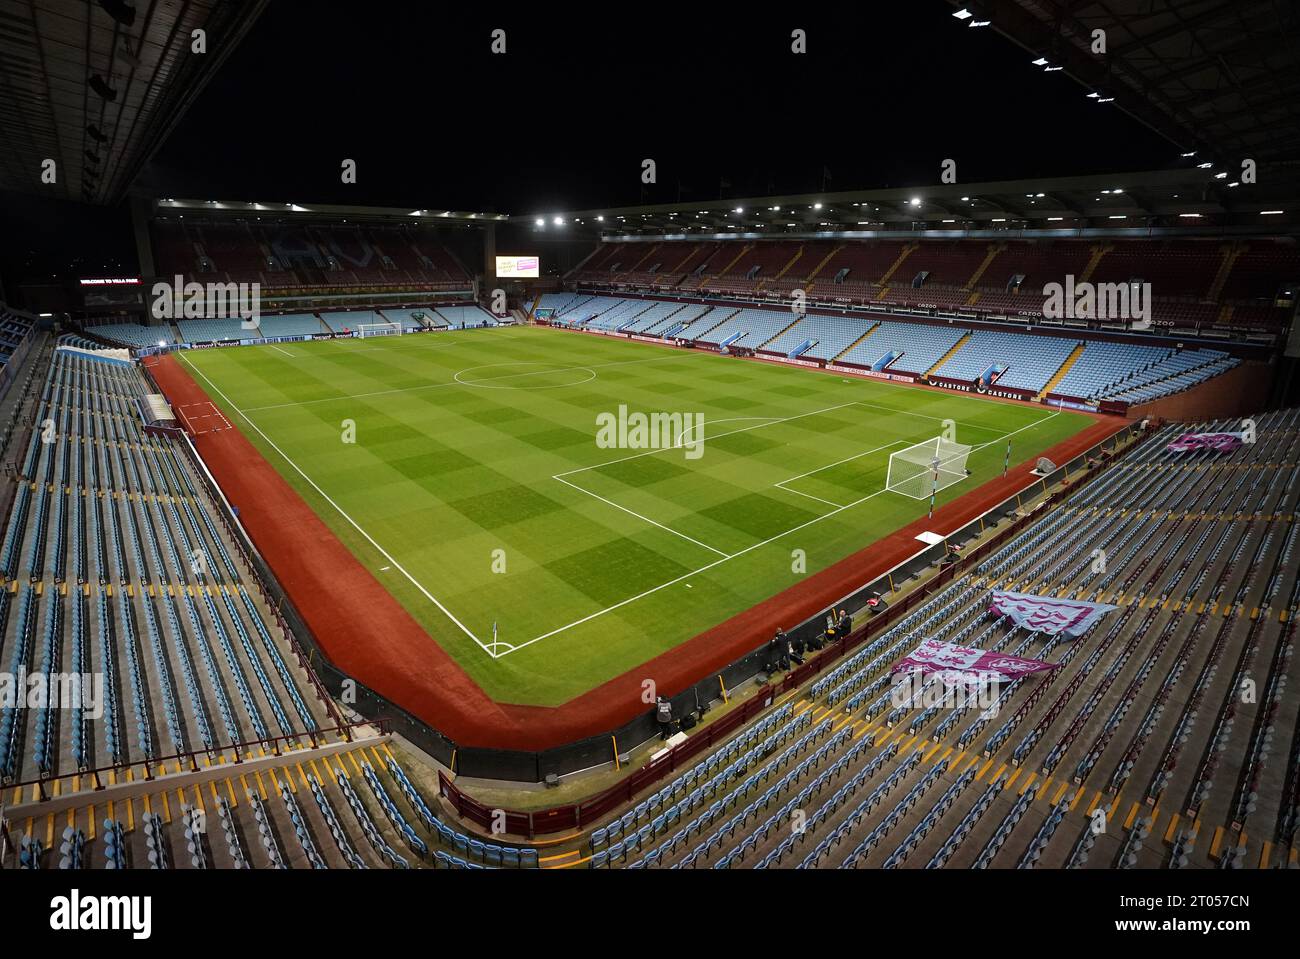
[(1173, 826)]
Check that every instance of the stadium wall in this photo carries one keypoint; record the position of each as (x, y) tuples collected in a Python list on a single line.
[(1240, 391)]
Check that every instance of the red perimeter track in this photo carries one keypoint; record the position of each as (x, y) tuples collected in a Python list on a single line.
[(366, 633)]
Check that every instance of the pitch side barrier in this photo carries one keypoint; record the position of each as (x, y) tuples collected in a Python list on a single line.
[(600, 750)]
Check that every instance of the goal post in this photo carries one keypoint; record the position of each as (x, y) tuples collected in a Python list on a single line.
[(388, 328), (926, 466)]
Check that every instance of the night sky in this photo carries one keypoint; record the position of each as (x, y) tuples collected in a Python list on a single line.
[(563, 120)]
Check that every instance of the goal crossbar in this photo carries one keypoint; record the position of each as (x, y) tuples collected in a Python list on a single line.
[(390, 328), (927, 467)]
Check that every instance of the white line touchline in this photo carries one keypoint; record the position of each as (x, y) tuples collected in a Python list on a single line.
[(396, 565), (486, 379), (647, 519), (285, 352)]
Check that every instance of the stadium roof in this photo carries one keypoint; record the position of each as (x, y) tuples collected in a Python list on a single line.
[(98, 91), (331, 212), (1221, 77), (1194, 196)]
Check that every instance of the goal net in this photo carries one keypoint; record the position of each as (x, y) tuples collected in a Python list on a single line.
[(389, 328), (913, 471)]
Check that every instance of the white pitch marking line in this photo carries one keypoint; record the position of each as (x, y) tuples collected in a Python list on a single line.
[(809, 495), (357, 526), (847, 459), (667, 529), (679, 445), (285, 352), (434, 386), (719, 562)]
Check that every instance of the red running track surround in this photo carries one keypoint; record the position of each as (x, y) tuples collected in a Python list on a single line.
[(370, 636)]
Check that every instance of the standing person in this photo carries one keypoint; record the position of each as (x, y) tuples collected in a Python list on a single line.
[(845, 625), (664, 716)]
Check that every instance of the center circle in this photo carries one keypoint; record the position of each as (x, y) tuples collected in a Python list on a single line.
[(529, 376)]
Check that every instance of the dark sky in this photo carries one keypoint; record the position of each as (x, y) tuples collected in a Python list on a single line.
[(562, 121)]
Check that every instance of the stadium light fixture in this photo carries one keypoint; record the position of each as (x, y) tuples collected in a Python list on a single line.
[(1117, 216), (1055, 219), (916, 201), (965, 198), (540, 221), (1093, 95), (600, 219), (1221, 175), (558, 221), (1040, 62), (1106, 100), (1270, 212), (1235, 183), (1190, 216), (1052, 69), (1204, 166), (1190, 153), (963, 14), (739, 209)]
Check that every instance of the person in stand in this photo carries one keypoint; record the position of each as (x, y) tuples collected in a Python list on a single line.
[(845, 624), (777, 652), (664, 716)]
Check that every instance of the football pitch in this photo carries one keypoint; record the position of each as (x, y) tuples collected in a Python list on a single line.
[(469, 472)]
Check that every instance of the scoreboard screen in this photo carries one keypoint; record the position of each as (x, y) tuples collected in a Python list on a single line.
[(510, 267)]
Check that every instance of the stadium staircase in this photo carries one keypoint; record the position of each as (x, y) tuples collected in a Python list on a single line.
[(849, 349), (734, 260), (824, 260), (654, 248), (1098, 252), (1065, 368), (994, 250), (798, 318), (532, 310), (715, 313), (1231, 252), (798, 255), (898, 261), (949, 355)]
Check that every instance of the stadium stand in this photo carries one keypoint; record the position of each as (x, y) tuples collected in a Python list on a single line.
[(1023, 364), (137, 580), (296, 324), (881, 778), (133, 334), (1197, 286)]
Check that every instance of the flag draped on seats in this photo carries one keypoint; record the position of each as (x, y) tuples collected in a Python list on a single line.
[(966, 664), (1218, 442), (1047, 614)]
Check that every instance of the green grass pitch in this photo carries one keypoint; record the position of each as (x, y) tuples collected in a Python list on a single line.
[(458, 439)]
